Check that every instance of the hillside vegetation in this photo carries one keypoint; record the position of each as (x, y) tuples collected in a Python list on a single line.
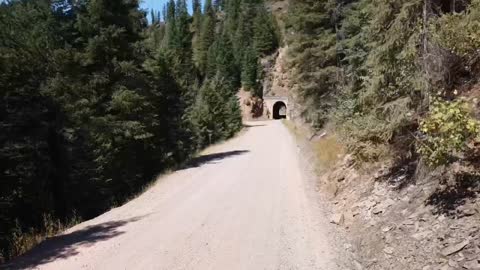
[(95, 101), (393, 76), (395, 83)]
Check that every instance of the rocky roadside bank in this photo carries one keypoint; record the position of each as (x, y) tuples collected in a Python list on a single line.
[(400, 217)]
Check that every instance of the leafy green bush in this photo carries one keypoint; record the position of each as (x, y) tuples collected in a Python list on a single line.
[(447, 129)]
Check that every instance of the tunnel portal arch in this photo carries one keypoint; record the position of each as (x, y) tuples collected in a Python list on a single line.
[(277, 107), (279, 110)]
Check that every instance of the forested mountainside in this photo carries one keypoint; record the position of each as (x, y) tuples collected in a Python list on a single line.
[(393, 87), (396, 78), (95, 102)]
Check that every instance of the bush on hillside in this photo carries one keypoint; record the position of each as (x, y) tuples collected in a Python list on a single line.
[(447, 130)]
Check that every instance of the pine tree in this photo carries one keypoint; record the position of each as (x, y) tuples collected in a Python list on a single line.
[(183, 38), (243, 37), (207, 35), (152, 16), (28, 162), (99, 86), (250, 70), (211, 67), (95, 101), (197, 28), (384, 83), (225, 60), (170, 21), (264, 38), (216, 115), (312, 48), (232, 12), (233, 120)]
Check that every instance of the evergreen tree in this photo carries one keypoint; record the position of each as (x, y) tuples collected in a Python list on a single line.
[(207, 36), (211, 67), (312, 48), (28, 158), (243, 37), (250, 71), (183, 37), (196, 29), (95, 101), (152, 16), (232, 13), (216, 115), (384, 83), (225, 60), (265, 37), (170, 21)]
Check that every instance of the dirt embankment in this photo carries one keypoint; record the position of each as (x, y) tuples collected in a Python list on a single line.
[(400, 220), (401, 217)]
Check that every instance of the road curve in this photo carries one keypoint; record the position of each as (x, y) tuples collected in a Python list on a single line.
[(242, 205)]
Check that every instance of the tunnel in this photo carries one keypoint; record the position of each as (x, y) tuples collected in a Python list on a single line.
[(279, 110)]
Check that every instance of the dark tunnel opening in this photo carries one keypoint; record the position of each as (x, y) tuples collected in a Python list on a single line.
[(279, 110)]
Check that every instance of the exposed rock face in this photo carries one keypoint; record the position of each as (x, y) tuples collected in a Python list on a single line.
[(276, 79), (278, 82), (252, 107), (424, 223)]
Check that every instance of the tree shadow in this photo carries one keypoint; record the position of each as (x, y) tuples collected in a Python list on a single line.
[(67, 245), (446, 200), (253, 126), (400, 175), (206, 159)]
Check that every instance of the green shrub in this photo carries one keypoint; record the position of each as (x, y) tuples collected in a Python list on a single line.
[(447, 130)]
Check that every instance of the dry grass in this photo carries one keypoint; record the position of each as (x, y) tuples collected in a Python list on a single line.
[(326, 150), (321, 153), (299, 132), (23, 241)]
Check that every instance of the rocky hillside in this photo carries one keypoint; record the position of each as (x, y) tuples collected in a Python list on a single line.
[(395, 218), (400, 169)]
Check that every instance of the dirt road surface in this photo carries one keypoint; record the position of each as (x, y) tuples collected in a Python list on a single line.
[(244, 204)]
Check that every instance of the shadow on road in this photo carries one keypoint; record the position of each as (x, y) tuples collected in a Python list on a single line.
[(205, 159), (252, 126), (67, 245)]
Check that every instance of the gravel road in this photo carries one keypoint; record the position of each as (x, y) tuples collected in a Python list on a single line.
[(244, 204)]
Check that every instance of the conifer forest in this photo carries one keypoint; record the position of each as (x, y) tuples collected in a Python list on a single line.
[(97, 100)]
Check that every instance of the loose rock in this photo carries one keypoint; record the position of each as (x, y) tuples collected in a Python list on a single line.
[(454, 248), (337, 219), (472, 265), (388, 250)]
